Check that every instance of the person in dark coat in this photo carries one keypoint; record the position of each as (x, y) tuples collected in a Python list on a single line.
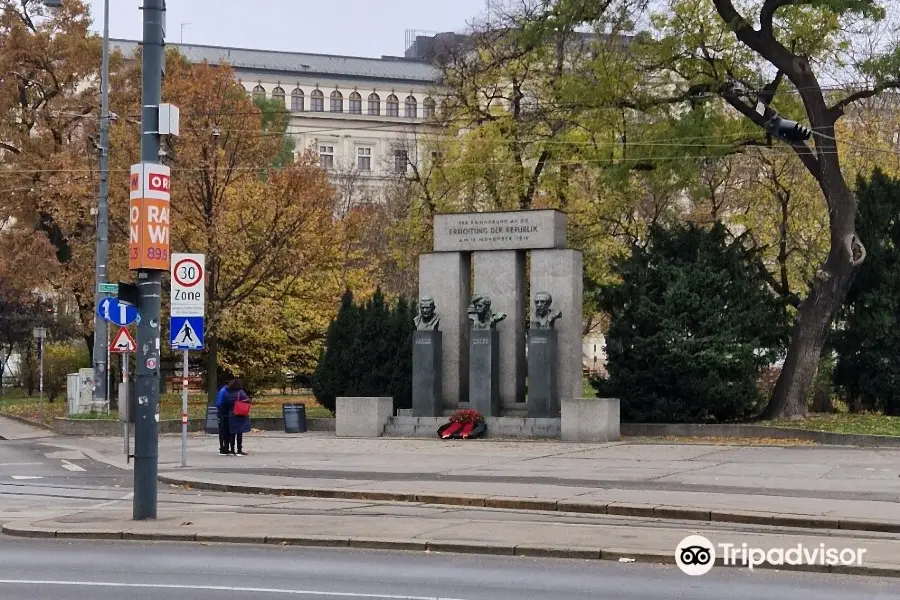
[(237, 425), (222, 414)]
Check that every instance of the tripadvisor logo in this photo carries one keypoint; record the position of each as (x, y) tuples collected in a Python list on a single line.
[(696, 555)]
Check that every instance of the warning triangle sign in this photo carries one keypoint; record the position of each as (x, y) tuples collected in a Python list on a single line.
[(187, 337), (123, 342)]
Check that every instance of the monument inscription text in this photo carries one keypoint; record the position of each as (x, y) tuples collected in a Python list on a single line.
[(520, 230)]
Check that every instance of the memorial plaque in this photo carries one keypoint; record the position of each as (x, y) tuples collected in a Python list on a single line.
[(542, 401), (426, 383), (484, 372), (516, 230)]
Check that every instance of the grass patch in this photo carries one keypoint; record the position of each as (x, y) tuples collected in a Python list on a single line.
[(30, 408), (722, 441), (864, 424), (588, 389), (169, 408)]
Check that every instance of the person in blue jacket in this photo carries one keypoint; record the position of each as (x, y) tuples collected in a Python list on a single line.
[(222, 414), (238, 425)]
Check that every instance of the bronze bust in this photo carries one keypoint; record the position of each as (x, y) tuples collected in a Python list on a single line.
[(427, 319), (481, 314), (543, 316)]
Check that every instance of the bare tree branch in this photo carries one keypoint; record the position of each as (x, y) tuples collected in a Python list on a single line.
[(838, 109)]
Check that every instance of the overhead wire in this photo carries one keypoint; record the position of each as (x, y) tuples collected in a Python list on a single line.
[(585, 161)]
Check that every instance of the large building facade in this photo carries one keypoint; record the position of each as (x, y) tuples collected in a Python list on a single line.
[(360, 115)]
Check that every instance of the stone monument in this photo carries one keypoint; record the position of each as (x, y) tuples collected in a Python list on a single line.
[(426, 379), (484, 357), (486, 254), (542, 398)]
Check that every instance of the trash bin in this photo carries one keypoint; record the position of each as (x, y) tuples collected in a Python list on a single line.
[(212, 420), (294, 418)]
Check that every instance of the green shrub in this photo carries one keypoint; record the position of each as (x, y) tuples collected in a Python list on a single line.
[(60, 359), (693, 324), (368, 352)]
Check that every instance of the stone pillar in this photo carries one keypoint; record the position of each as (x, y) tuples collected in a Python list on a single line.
[(484, 372), (560, 272), (445, 277), (426, 376), (500, 275), (542, 398)]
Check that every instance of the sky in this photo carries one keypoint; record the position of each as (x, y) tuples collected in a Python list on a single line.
[(348, 27)]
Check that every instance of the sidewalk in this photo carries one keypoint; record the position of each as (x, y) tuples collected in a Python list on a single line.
[(433, 528), (805, 486), (12, 429)]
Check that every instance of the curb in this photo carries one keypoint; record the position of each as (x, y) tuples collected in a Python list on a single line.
[(621, 509), (25, 529), (28, 422), (749, 431)]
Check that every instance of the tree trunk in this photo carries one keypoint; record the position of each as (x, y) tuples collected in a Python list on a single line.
[(817, 312), (89, 340), (212, 369)]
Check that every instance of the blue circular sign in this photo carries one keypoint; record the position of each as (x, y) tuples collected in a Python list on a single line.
[(110, 309)]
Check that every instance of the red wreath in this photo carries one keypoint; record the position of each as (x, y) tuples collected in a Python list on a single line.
[(464, 424)]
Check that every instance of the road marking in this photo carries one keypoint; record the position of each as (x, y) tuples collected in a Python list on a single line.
[(22, 464), (112, 502), (72, 467), (25, 477), (217, 588)]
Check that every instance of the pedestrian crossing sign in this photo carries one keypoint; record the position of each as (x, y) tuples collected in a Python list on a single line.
[(186, 333)]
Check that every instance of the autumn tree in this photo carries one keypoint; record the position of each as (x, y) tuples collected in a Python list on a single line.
[(48, 104), (265, 224)]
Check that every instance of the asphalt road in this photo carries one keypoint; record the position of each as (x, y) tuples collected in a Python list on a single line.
[(58, 570), (40, 476)]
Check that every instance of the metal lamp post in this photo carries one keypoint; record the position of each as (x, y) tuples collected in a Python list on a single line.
[(100, 397), (40, 333), (101, 329)]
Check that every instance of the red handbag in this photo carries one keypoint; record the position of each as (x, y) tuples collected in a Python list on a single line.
[(241, 408)]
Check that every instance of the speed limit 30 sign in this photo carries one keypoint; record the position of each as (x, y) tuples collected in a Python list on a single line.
[(188, 291)]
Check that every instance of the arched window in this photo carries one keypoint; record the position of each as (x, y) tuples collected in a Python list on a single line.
[(374, 104), (445, 107), (259, 92), (410, 108), (428, 108), (337, 101), (393, 106), (297, 100), (317, 101), (278, 94), (355, 103)]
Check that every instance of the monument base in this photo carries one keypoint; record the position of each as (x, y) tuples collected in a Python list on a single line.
[(590, 420), (542, 401), (426, 379), (484, 372)]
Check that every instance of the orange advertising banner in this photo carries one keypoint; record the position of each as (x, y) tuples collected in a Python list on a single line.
[(148, 245)]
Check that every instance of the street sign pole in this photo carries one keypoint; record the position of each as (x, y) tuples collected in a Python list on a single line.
[(127, 428), (107, 375), (41, 350), (187, 326), (184, 409)]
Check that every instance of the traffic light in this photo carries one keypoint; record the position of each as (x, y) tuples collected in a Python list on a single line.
[(788, 130)]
